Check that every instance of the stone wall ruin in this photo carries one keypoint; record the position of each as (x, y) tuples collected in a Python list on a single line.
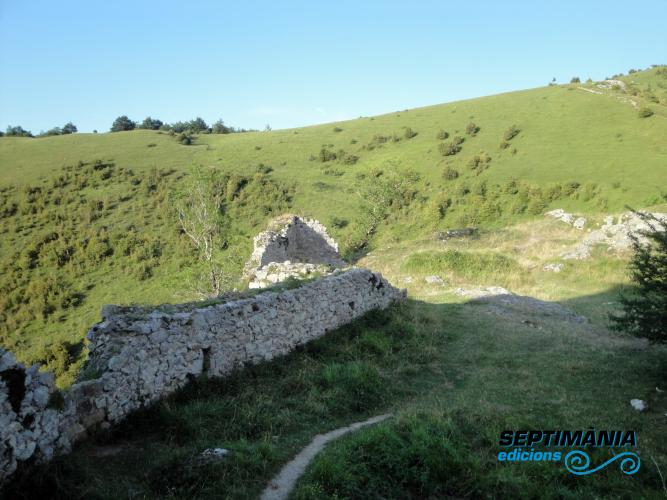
[(292, 246), (137, 357)]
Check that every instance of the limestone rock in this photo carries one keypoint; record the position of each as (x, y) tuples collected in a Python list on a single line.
[(639, 404), (554, 267)]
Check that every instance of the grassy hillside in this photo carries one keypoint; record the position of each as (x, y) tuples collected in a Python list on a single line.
[(88, 219)]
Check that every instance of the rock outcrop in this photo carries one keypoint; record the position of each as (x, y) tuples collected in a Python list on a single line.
[(616, 236), (137, 357), (563, 216)]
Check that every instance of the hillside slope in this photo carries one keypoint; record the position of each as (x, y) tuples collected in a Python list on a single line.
[(88, 219)]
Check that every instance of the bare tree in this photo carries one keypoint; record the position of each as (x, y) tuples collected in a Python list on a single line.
[(200, 215)]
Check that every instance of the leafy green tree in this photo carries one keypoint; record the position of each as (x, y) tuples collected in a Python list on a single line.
[(198, 125), (122, 123), (179, 127), (17, 131), (52, 131), (219, 127), (645, 310), (69, 128), (151, 123)]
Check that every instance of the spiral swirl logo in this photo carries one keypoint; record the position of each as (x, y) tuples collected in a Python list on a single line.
[(578, 463)]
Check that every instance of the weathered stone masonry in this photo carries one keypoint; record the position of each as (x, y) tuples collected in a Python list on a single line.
[(138, 357), (292, 246)]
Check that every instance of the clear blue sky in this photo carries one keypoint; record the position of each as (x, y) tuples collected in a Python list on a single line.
[(298, 63)]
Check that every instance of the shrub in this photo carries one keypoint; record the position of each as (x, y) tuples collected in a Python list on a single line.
[(151, 124), (339, 223), (17, 131), (219, 127), (442, 135), (451, 148), (409, 133), (185, 139), (645, 311), (197, 125), (68, 128), (264, 169), (479, 162), (575, 79), (570, 188), (645, 112), (472, 129), (122, 123), (450, 173), (511, 133), (348, 159), (441, 204), (337, 129), (326, 155), (377, 141)]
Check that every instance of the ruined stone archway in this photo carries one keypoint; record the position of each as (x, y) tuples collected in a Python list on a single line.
[(292, 246)]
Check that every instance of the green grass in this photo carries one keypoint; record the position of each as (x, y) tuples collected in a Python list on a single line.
[(472, 267)]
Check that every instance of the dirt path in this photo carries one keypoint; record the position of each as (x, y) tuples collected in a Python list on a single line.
[(280, 486)]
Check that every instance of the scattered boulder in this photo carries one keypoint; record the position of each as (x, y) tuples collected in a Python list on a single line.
[(479, 292), (609, 84), (579, 223), (561, 215), (434, 280), (212, 454), (456, 233), (617, 236), (639, 404), (554, 268)]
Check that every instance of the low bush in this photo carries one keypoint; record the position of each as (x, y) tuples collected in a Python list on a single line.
[(451, 148), (472, 129), (409, 133), (450, 174), (645, 112), (326, 155), (511, 133), (479, 162), (442, 135)]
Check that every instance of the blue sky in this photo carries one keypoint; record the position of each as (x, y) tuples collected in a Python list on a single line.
[(299, 63)]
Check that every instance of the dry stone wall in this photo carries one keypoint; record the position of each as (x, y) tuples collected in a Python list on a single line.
[(137, 357)]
